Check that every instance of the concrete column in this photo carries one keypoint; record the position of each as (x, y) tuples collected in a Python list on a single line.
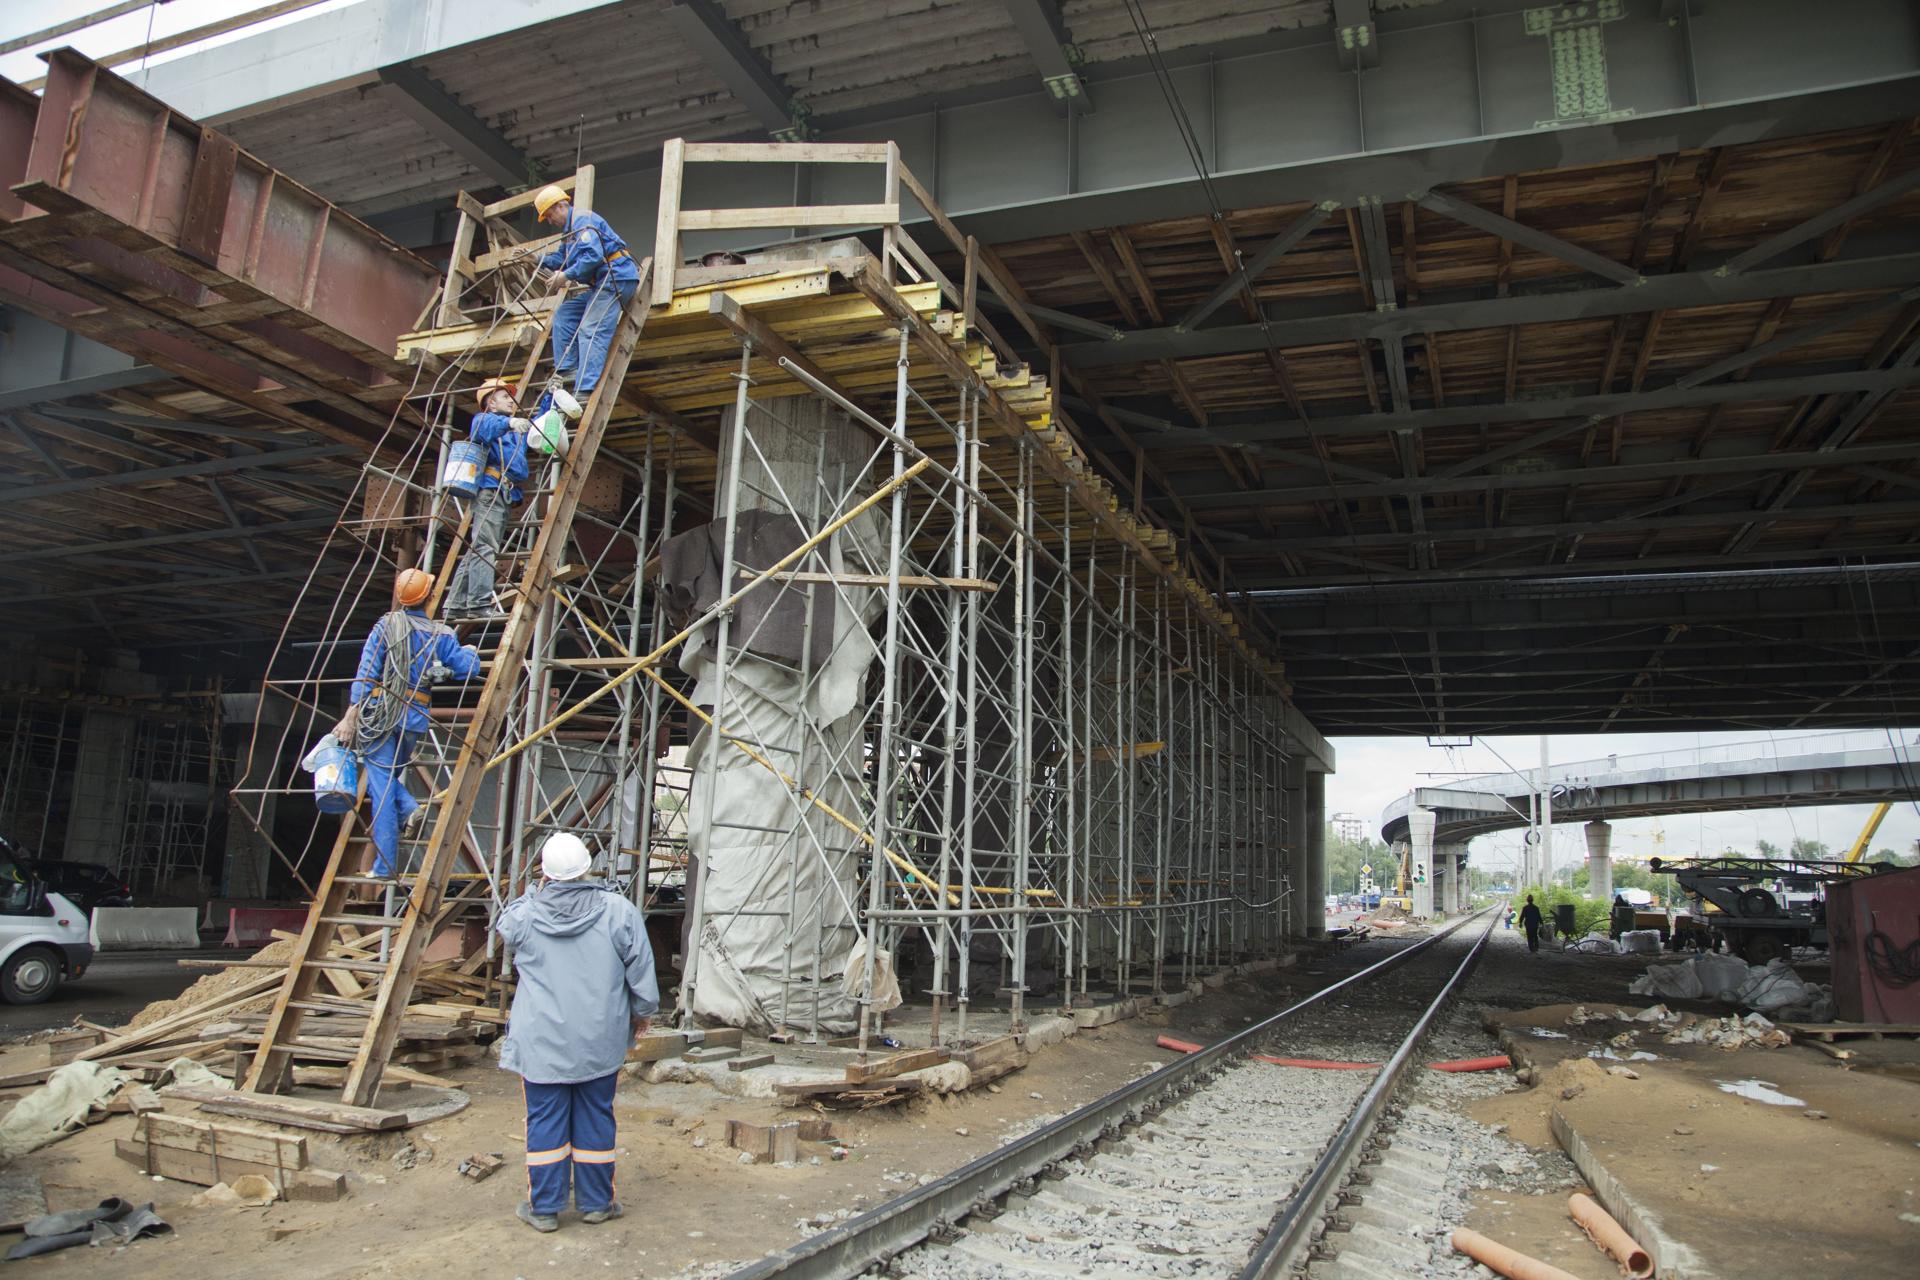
[(1420, 827), (1600, 860), (1451, 860), (98, 813), (1301, 905), (1313, 865)]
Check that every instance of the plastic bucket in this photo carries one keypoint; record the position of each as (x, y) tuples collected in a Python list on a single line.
[(336, 780), (565, 403), (549, 434), (465, 461)]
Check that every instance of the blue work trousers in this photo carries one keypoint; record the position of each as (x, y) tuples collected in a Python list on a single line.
[(583, 327), (570, 1142), (386, 764)]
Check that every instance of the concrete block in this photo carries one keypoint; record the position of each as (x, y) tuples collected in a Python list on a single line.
[(140, 928), (1102, 1014)]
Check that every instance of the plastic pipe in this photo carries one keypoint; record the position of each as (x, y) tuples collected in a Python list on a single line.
[(1317, 1064), (1168, 1042), (1508, 1262), (1473, 1064), (1609, 1235)]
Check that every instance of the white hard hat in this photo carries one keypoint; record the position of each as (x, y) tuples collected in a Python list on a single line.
[(564, 856)]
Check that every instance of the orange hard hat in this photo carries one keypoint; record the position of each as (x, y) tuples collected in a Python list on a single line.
[(546, 198), (492, 385), (413, 586)]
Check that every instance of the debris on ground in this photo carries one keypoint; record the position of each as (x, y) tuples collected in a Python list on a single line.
[(64, 1104), (249, 1191), (1770, 988), (112, 1221), (482, 1165)]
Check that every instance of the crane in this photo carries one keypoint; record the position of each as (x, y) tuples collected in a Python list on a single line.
[(1874, 820)]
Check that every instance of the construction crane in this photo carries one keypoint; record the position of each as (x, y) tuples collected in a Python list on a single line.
[(1874, 820)]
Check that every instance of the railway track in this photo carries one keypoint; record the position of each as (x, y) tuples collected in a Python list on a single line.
[(1215, 1165)]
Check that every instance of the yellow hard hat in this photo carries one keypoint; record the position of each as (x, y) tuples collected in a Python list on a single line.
[(546, 198), (491, 385), (413, 586)]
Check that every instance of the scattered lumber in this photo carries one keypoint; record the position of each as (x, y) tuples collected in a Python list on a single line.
[(190, 1149), (303, 1113), (897, 1064)]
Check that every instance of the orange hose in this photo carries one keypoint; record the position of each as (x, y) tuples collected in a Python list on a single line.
[(1473, 1064), (1508, 1262), (1609, 1235), (1168, 1042), (1317, 1064)]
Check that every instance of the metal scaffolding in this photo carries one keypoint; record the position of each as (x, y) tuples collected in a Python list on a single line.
[(856, 663)]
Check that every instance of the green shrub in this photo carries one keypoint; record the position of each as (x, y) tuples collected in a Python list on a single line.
[(1588, 916)]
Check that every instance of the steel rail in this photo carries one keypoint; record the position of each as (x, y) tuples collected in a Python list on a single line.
[(877, 1236), (1292, 1231)]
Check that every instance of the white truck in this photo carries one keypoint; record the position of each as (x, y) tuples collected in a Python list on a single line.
[(43, 936)]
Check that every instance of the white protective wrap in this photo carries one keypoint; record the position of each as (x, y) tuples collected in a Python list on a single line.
[(751, 873)]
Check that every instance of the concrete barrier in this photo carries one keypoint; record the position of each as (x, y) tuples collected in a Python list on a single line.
[(254, 926), (141, 928)]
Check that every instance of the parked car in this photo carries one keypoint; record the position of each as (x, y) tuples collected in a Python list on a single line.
[(43, 935), (85, 884)]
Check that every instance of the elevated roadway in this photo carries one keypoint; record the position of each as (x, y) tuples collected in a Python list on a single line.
[(1849, 767)]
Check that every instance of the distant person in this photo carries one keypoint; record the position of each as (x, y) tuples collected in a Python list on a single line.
[(1623, 918), (586, 990), (1530, 920), (1509, 915)]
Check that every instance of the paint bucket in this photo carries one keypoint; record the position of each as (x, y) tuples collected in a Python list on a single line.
[(549, 434), (465, 461), (336, 779)]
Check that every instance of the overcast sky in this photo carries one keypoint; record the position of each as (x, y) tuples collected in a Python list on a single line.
[(1373, 772), (19, 17)]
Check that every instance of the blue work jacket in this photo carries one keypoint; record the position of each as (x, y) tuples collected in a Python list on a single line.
[(431, 643), (590, 247), (506, 452), (584, 973)]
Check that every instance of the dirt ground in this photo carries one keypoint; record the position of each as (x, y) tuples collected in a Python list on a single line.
[(1827, 1184), (1786, 1193), (691, 1207)]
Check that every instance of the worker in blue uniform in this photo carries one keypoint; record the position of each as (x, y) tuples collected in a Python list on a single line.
[(500, 429), (603, 279), (405, 653)]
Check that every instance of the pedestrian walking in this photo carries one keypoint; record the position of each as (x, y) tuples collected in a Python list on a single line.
[(1530, 920)]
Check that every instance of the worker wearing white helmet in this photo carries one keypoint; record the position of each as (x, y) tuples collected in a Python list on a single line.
[(595, 262), (585, 990)]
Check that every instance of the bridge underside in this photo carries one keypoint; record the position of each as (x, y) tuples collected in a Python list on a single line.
[(1544, 403)]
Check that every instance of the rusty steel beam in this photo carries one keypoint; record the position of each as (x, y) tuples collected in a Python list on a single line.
[(112, 186)]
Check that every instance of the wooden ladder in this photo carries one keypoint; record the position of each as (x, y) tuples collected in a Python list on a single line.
[(409, 932)]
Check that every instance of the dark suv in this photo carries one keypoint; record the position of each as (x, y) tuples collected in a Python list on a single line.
[(85, 884)]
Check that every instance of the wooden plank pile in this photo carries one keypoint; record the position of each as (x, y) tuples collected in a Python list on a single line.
[(455, 1012), (191, 1149)]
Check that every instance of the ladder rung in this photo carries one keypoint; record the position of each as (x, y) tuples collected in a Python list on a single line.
[(366, 922), (348, 966)]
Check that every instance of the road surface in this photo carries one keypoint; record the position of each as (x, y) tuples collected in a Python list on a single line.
[(118, 985)]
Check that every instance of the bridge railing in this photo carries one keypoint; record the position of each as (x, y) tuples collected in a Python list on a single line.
[(1905, 743)]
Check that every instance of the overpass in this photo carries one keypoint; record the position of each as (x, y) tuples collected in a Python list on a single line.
[(1850, 767)]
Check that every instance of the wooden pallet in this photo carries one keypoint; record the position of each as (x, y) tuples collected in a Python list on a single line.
[(1831, 1031)]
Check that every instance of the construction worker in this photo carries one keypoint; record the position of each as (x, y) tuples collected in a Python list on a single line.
[(405, 654), (584, 991), (594, 259), (498, 427)]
